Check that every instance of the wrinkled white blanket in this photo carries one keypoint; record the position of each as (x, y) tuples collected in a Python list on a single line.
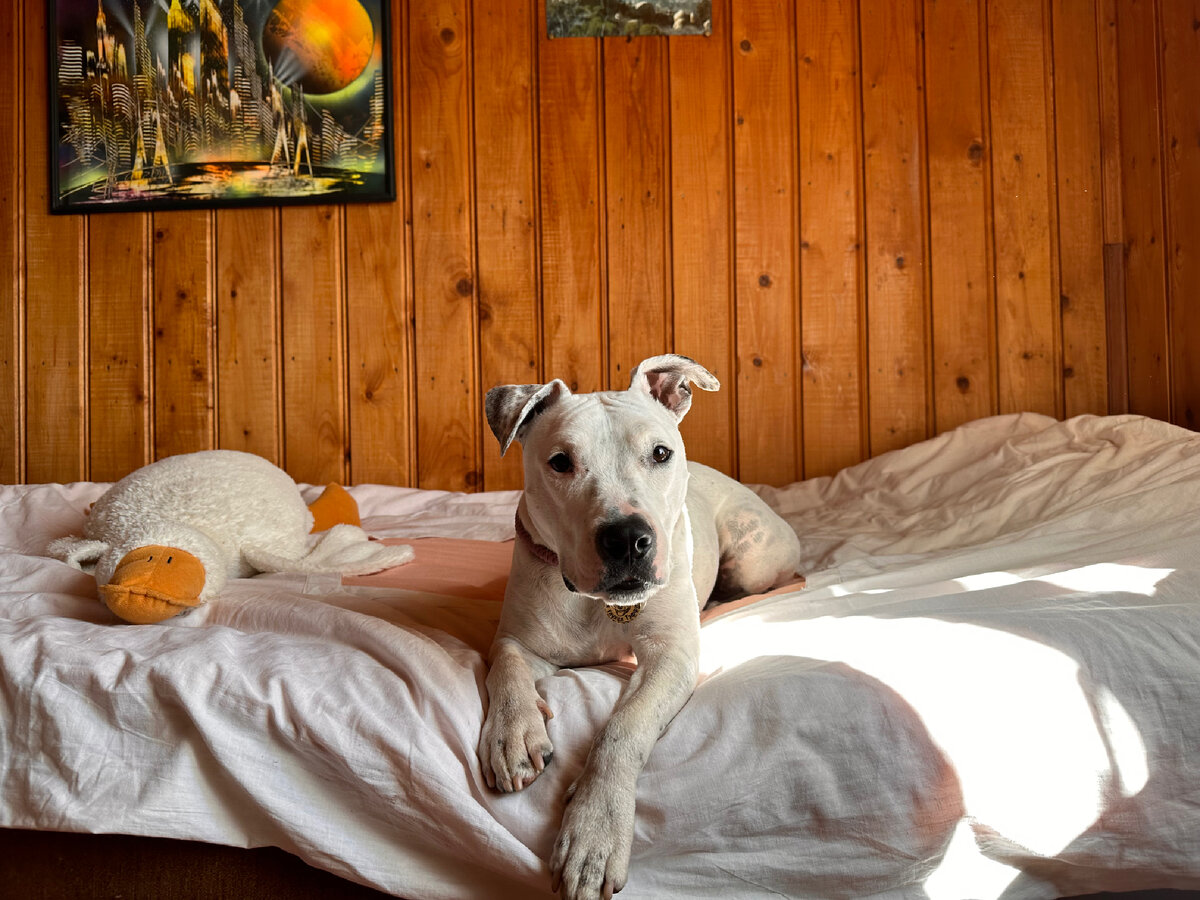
[(989, 689)]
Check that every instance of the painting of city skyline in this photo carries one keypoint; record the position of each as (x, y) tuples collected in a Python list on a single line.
[(159, 104)]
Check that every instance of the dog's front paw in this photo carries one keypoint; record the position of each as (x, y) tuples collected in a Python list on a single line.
[(514, 747), (591, 855)]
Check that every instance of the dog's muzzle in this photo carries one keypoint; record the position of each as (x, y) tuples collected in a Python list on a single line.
[(627, 547)]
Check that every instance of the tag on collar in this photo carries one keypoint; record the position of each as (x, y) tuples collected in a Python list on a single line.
[(624, 614)]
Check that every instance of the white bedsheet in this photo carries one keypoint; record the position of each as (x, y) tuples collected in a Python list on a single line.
[(989, 689)]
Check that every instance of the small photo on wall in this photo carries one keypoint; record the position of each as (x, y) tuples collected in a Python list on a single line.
[(627, 18), (168, 104)]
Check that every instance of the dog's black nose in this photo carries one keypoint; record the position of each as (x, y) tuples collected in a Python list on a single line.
[(626, 540)]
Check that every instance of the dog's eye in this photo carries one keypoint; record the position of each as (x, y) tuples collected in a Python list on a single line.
[(560, 462), (661, 454)]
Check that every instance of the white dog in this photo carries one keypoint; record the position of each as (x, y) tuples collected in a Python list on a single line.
[(621, 541)]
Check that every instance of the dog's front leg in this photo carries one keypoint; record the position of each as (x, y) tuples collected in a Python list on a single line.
[(514, 746), (591, 855)]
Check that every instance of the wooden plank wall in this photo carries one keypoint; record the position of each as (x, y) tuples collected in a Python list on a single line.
[(873, 219)]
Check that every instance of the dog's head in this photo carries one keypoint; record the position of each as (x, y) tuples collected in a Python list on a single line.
[(605, 473)]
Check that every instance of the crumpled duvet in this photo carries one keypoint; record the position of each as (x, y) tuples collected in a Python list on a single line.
[(987, 689)]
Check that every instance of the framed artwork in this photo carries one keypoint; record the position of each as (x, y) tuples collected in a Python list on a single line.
[(627, 18), (170, 104)]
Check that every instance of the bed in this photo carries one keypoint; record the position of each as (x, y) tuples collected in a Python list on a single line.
[(986, 688)]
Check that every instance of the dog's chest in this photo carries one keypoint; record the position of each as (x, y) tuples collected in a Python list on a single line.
[(561, 627)]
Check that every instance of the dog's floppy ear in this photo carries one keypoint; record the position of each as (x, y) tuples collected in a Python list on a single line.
[(666, 379), (510, 407)]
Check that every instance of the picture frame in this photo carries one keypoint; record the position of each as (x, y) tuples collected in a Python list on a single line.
[(177, 104), (628, 18)]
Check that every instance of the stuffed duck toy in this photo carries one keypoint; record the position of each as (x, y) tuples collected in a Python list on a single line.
[(165, 538)]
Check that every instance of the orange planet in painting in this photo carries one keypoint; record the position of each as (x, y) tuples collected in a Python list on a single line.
[(330, 41)]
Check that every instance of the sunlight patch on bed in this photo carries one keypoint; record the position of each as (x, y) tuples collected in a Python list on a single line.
[(1098, 578), (987, 580), (965, 872), (1132, 765), (1036, 752), (1110, 577), (836, 590)]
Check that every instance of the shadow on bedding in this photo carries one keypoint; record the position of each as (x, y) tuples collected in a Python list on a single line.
[(1069, 718), (788, 802)]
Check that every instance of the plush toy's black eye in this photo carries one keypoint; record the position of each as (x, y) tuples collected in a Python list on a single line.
[(560, 462), (661, 454)]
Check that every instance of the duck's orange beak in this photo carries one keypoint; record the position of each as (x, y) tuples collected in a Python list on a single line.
[(154, 583)]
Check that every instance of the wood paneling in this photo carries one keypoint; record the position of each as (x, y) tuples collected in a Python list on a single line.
[(249, 337), (1111, 177), (380, 330), (380, 318), (1080, 202), (872, 220), (119, 371), (312, 245), (832, 312), (637, 229), (574, 327), (897, 315), (12, 242), (1027, 300), (448, 402), (962, 303), (506, 213), (55, 303), (702, 233), (1142, 205), (184, 332), (1180, 30), (766, 214)]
